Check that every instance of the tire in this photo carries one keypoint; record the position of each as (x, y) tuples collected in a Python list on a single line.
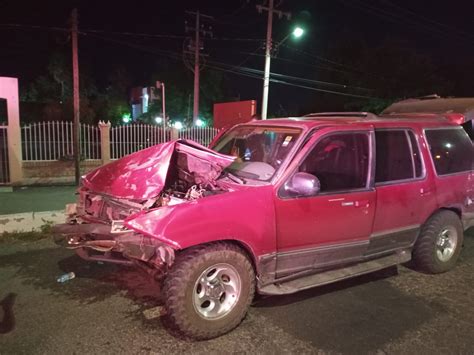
[(439, 244), (208, 290)]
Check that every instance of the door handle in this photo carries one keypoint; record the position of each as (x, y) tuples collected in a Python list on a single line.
[(425, 191), (362, 203)]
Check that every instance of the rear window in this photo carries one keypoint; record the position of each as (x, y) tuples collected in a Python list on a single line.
[(451, 150), (469, 128)]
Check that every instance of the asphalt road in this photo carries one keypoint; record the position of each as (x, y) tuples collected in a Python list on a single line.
[(110, 309)]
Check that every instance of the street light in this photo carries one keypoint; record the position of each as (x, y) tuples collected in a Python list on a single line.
[(297, 33), (126, 118), (200, 123)]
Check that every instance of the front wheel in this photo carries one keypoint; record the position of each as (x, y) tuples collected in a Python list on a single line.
[(209, 289), (439, 244)]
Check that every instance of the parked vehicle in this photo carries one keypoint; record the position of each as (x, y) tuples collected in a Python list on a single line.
[(279, 206)]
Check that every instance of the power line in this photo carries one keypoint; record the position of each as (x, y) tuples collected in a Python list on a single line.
[(414, 14), (311, 65), (326, 60), (244, 71), (130, 34), (295, 85), (34, 27), (400, 19), (134, 34), (233, 69), (296, 78)]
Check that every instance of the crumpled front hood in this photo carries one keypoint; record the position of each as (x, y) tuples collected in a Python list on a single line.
[(142, 175)]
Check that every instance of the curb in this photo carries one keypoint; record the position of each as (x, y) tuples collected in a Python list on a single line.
[(29, 221)]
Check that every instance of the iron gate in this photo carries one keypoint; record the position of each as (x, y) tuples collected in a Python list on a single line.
[(4, 166)]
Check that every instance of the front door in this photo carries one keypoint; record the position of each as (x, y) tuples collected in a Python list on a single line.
[(334, 226)]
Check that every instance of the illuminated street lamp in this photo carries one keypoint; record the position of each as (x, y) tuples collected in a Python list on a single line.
[(126, 118), (297, 33), (158, 120), (200, 123)]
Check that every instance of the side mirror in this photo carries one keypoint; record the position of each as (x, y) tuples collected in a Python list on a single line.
[(302, 185)]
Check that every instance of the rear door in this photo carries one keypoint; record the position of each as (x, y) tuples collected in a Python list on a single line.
[(333, 226), (406, 194)]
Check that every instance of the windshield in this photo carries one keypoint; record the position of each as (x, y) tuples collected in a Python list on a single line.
[(259, 150)]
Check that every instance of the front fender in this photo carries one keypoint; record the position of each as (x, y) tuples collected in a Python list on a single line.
[(246, 215)]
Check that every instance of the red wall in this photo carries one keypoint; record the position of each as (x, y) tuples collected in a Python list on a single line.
[(227, 114)]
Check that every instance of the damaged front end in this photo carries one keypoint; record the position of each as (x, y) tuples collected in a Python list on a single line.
[(98, 228)]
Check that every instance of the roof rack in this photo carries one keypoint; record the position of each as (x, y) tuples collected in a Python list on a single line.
[(433, 105), (428, 97), (367, 115)]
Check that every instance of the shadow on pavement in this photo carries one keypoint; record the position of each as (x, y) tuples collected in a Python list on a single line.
[(336, 317), (93, 283), (7, 317)]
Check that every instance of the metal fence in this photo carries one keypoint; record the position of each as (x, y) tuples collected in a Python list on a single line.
[(4, 167), (54, 141), (49, 141), (202, 135), (129, 139)]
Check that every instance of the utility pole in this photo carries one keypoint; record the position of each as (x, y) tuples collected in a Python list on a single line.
[(268, 51), (197, 46), (75, 80)]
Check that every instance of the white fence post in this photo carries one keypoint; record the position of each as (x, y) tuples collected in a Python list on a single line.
[(174, 134), (105, 141)]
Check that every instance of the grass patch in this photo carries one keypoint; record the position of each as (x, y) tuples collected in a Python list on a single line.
[(31, 236)]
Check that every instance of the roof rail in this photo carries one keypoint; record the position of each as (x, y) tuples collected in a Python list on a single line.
[(428, 97), (367, 115)]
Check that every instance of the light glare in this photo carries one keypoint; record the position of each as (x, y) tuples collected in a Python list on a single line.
[(298, 32)]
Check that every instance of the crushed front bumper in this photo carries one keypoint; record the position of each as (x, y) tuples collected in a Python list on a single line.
[(98, 242)]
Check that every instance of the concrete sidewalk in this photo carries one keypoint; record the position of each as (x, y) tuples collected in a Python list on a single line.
[(28, 208)]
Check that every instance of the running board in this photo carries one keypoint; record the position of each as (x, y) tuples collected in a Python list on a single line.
[(327, 277)]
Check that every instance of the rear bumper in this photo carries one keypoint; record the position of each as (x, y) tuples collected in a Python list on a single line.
[(96, 242)]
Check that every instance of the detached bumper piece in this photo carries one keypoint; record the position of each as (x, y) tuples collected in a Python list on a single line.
[(96, 242)]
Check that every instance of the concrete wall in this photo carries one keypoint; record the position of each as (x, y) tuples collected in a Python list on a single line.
[(54, 172), (9, 91)]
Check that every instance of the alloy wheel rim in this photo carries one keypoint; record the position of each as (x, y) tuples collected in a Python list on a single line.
[(216, 291), (446, 243)]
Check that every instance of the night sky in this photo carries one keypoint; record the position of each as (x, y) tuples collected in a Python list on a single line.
[(439, 30)]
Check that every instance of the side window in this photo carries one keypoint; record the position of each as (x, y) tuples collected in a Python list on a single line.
[(451, 149), (339, 161), (415, 150), (469, 128), (397, 156)]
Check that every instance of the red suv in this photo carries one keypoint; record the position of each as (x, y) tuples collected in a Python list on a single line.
[(279, 206)]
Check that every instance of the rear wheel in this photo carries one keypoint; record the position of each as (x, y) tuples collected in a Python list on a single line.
[(439, 244), (209, 289)]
